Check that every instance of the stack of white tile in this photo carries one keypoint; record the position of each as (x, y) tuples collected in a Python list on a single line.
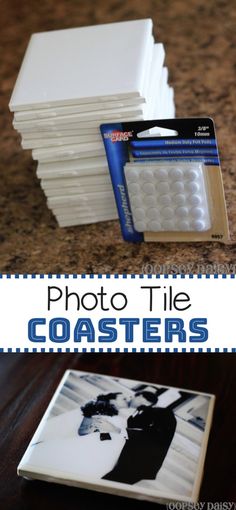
[(70, 82)]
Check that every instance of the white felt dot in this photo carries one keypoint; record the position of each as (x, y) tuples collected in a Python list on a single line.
[(191, 174), (197, 212), (134, 187), (175, 174), (165, 199), (139, 214), (177, 186), (163, 187), (133, 175), (136, 201), (155, 226), (193, 187), (168, 225), (149, 200), (147, 175), (199, 225), (182, 212), (162, 174), (167, 212), (152, 213), (179, 199), (148, 187), (140, 226), (195, 199)]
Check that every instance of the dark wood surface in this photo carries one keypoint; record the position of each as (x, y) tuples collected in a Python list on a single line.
[(200, 41), (27, 382)]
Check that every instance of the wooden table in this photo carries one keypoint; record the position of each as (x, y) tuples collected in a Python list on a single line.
[(27, 382), (200, 42)]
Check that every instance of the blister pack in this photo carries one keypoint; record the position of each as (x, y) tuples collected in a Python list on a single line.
[(167, 180)]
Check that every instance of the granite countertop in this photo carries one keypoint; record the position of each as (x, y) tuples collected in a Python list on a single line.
[(200, 41)]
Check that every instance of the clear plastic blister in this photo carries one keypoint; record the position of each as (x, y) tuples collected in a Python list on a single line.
[(167, 180), (168, 196)]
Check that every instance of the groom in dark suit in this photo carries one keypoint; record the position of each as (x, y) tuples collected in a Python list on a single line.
[(150, 431)]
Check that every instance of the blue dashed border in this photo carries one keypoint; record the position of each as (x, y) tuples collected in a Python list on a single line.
[(108, 276), (113, 350)]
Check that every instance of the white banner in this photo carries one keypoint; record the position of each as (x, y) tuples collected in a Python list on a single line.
[(111, 313)]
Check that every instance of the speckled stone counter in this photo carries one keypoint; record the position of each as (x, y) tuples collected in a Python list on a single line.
[(200, 41)]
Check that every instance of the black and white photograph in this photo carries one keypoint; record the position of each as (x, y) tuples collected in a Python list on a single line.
[(122, 436)]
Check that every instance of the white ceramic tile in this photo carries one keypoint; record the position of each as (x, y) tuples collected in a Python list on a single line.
[(96, 117), (39, 143), (78, 198), (81, 189), (84, 212), (105, 62), (75, 123), (65, 222), (69, 182), (85, 207), (69, 152), (47, 113), (73, 167), (26, 126), (79, 150), (156, 80), (53, 131)]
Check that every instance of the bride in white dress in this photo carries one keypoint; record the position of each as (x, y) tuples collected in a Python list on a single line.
[(83, 446)]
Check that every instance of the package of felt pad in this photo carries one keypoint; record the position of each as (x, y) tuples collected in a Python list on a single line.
[(167, 180)]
